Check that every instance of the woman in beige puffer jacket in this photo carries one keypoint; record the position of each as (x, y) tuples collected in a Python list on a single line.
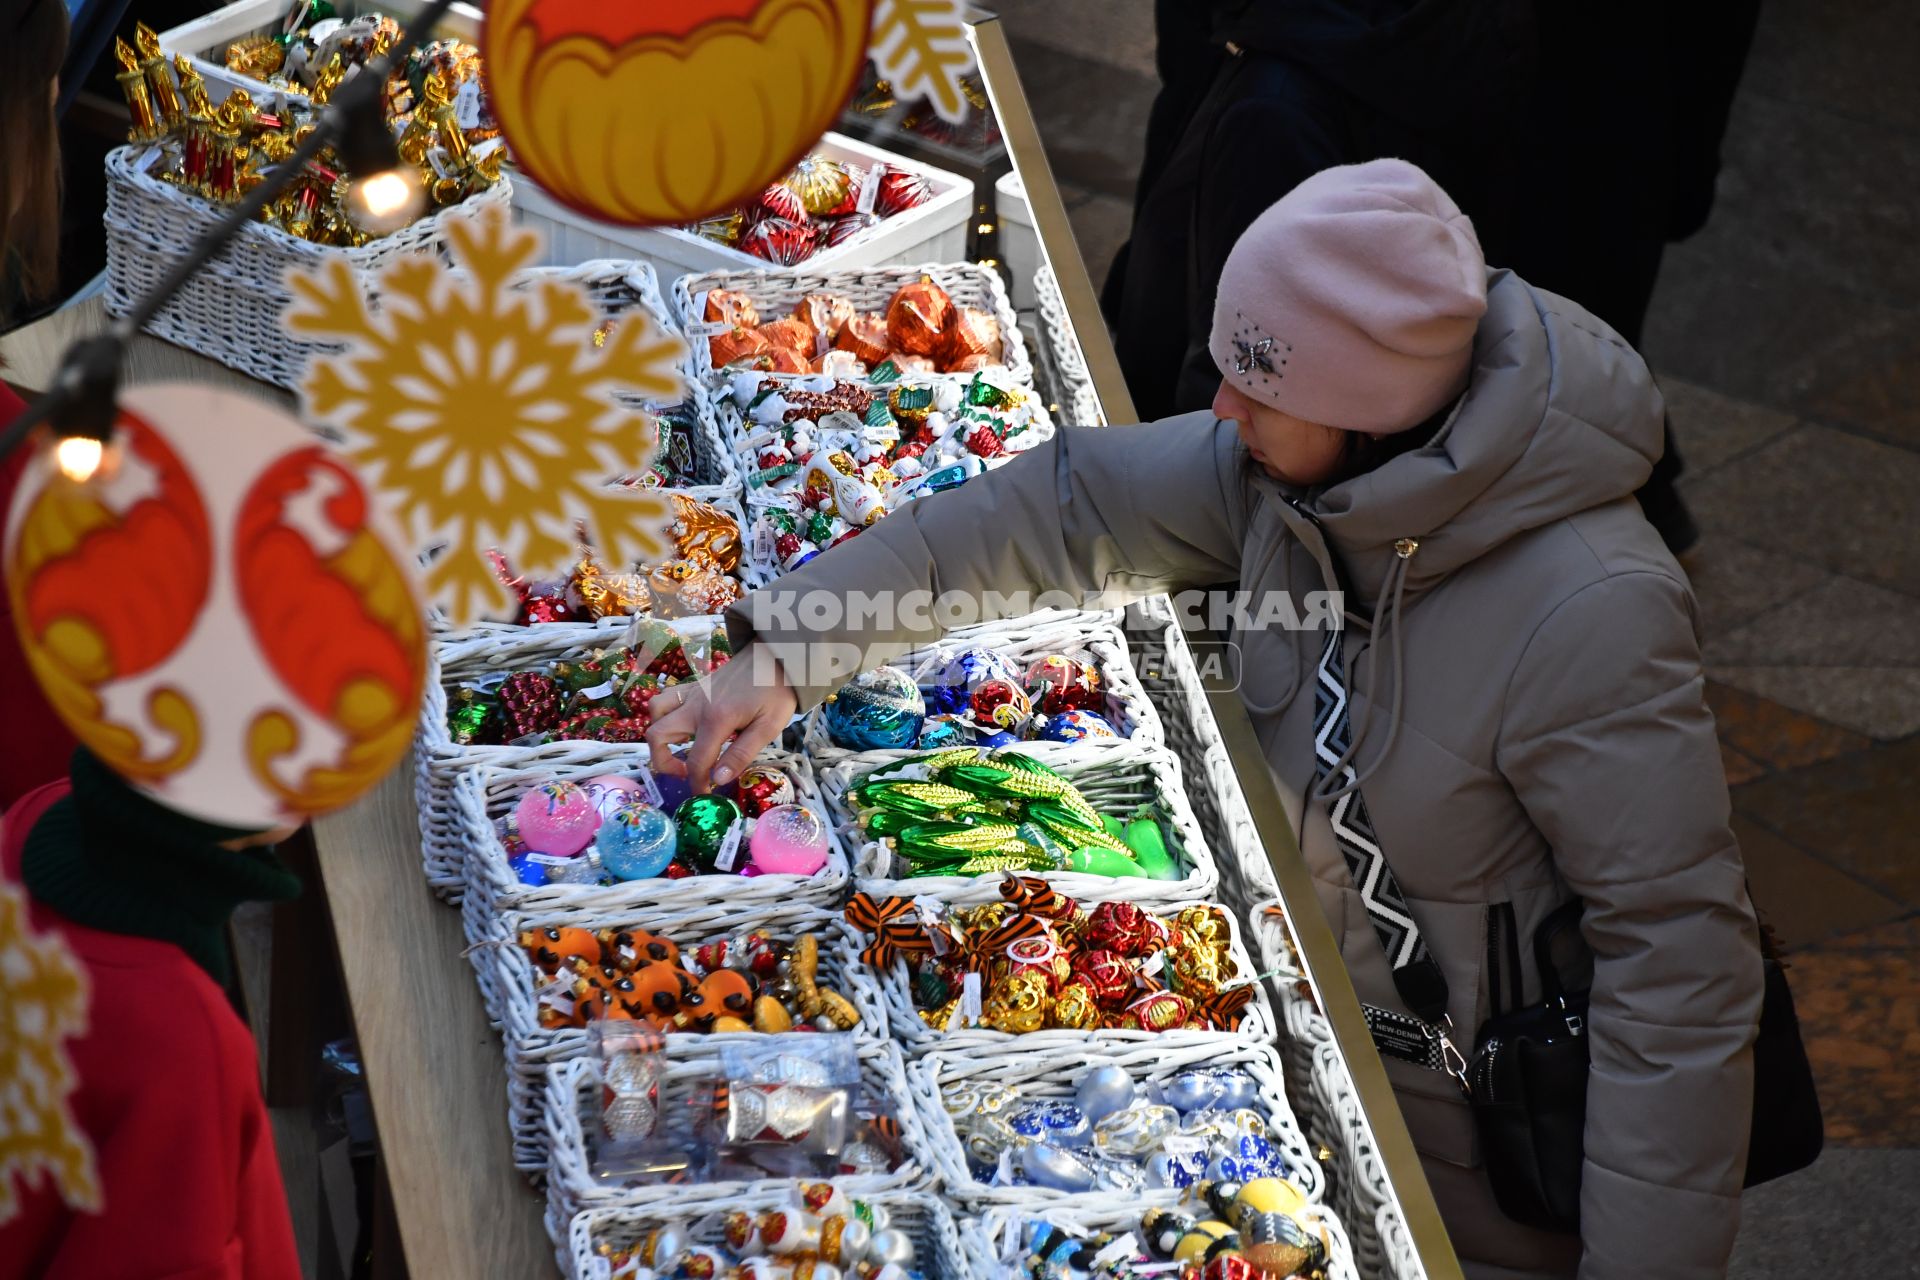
[(1527, 686)]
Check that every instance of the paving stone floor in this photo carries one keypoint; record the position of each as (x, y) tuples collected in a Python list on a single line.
[(1787, 338)]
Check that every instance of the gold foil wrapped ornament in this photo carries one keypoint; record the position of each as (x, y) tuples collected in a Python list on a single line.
[(722, 228), (702, 531), (1017, 1004), (609, 595), (256, 56), (823, 184), (690, 589), (1075, 1009), (973, 336), (918, 317)]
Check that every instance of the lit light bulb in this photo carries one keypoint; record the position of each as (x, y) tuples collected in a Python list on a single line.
[(78, 458), (387, 201)]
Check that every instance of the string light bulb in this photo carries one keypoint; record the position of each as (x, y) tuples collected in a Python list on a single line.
[(386, 201), (384, 193), (78, 458)]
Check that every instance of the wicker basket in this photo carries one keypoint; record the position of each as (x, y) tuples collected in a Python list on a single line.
[(508, 981), (1167, 671), (1114, 776), (870, 289), (1022, 640), (438, 761), (485, 792), (1048, 1074), (993, 1242), (573, 1096), (230, 309), (1257, 1024), (1079, 403), (1399, 1258), (937, 1250)]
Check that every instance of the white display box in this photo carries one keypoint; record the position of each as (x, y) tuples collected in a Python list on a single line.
[(933, 232), (1019, 241), (205, 39)]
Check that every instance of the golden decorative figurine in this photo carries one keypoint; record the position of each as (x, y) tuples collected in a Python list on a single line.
[(133, 83), (160, 86)]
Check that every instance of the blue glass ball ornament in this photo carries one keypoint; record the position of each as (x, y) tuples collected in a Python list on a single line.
[(636, 842), (878, 710), (949, 688)]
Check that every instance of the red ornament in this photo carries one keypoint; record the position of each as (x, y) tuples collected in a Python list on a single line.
[(1058, 683), (786, 546), (997, 705), (759, 789), (985, 441), (1107, 976), (1156, 1011), (1123, 928), (679, 871), (841, 230), (777, 201), (900, 191), (781, 241), (1231, 1266), (530, 703)]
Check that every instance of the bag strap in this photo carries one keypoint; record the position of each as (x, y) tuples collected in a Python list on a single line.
[(1416, 975)]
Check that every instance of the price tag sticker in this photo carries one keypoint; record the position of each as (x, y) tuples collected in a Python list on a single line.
[(970, 1005), (1152, 968), (603, 690), (763, 542), (649, 788), (930, 912), (730, 845)]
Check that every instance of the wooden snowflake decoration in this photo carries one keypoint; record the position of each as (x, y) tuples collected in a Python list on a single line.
[(478, 403), (921, 46), (43, 1001)]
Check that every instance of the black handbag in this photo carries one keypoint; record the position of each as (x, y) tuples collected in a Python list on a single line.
[(1527, 1082)]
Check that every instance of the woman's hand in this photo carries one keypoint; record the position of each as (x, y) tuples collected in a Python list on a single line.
[(747, 700)]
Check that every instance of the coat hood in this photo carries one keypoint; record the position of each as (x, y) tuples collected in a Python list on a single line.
[(1560, 416)]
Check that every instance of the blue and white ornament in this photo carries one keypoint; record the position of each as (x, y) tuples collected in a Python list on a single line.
[(1055, 1122), (876, 710), (948, 690), (636, 842), (1073, 726), (1252, 1156), (1103, 1091), (1209, 1087)]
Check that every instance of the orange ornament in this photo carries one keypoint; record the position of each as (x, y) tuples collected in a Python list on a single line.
[(728, 307), (918, 318), (973, 336), (825, 314), (736, 344), (865, 336), (578, 90)]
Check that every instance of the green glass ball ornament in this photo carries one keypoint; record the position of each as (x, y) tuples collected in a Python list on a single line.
[(703, 823)]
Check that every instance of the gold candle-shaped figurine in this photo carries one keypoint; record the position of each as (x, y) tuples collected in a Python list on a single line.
[(417, 137), (196, 145), (133, 83), (223, 156), (160, 85)]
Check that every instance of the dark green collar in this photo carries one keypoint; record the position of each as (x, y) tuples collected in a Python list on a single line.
[(108, 858)]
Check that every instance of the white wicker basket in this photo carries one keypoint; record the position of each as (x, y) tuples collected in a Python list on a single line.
[(1045, 1074), (1399, 1258), (485, 792), (572, 1112), (438, 761), (1115, 777), (230, 309), (925, 1218), (1079, 403), (994, 1241), (1169, 674), (508, 981), (913, 1035), (870, 289), (1022, 640)]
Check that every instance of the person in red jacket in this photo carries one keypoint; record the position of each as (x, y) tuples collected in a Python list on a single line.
[(168, 1087)]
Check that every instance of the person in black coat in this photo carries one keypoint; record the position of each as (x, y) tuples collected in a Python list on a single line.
[(1579, 139)]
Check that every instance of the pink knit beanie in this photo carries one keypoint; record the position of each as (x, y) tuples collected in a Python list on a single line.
[(1352, 302)]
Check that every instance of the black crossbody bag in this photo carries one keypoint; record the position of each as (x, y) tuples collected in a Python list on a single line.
[(1527, 1080)]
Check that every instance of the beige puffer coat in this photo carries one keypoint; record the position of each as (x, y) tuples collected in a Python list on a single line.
[(1551, 738)]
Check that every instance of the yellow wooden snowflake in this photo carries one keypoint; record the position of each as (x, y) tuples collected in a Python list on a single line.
[(43, 1001), (921, 47), (480, 406)]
